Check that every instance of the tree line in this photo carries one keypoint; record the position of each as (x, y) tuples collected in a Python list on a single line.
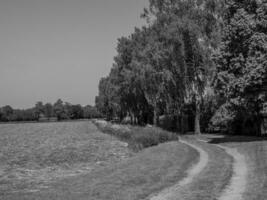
[(57, 111), (203, 61)]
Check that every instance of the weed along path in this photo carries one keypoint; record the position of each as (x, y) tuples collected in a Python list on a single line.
[(173, 192), (237, 186)]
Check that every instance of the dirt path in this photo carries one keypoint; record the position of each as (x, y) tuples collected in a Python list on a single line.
[(237, 185), (173, 192)]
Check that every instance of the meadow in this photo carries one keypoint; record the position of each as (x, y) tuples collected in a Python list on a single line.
[(34, 155), (74, 160)]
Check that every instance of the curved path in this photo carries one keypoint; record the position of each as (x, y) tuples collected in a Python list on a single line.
[(172, 192), (237, 185), (238, 181)]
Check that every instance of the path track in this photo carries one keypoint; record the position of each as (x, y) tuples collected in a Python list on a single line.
[(237, 186), (205, 175), (173, 192)]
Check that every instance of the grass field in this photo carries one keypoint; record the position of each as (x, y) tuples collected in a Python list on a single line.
[(32, 156), (74, 160), (136, 178)]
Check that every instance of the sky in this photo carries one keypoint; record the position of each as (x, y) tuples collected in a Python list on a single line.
[(52, 49)]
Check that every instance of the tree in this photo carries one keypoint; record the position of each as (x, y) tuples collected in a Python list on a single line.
[(59, 110), (107, 100), (48, 110), (76, 112), (39, 109), (163, 68), (242, 57), (190, 34), (90, 112), (7, 112)]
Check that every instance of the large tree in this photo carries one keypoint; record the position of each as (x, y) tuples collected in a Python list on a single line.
[(190, 34), (242, 57), (163, 67)]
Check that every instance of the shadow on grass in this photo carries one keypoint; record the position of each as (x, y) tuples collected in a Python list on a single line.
[(234, 138)]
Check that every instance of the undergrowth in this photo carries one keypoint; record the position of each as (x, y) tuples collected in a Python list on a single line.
[(137, 137)]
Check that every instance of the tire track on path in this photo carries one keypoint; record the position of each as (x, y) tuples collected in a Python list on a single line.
[(237, 185), (173, 191)]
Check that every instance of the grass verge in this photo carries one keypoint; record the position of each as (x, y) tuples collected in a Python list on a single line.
[(137, 137)]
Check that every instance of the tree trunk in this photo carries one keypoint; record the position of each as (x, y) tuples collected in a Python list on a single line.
[(197, 119), (181, 122), (263, 127), (131, 118), (135, 120), (155, 117)]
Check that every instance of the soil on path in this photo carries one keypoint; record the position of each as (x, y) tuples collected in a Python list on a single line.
[(173, 192), (237, 186), (205, 180)]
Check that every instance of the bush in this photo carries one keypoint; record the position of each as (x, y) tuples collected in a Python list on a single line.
[(168, 122), (137, 137), (222, 119)]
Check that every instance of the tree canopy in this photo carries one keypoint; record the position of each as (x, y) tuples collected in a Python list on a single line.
[(241, 59), (165, 66)]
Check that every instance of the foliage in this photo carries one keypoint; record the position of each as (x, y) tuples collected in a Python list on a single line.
[(242, 57), (48, 111), (222, 118), (162, 67), (138, 137)]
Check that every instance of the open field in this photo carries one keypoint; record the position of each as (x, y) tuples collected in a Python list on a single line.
[(147, 172), (32, 156), (73, 160)]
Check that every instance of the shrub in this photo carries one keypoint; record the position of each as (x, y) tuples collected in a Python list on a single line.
[(222, 118), (137, 137)]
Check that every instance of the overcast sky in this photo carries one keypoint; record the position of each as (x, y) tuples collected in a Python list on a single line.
[(52, 49)]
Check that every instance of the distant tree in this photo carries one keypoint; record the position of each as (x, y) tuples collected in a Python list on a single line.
[(48, 110), (59, 110), (39, 109), (76, 112), (28, 114), (90, 112), (7, 112)]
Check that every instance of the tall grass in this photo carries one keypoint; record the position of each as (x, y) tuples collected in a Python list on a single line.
[(137, 137)]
